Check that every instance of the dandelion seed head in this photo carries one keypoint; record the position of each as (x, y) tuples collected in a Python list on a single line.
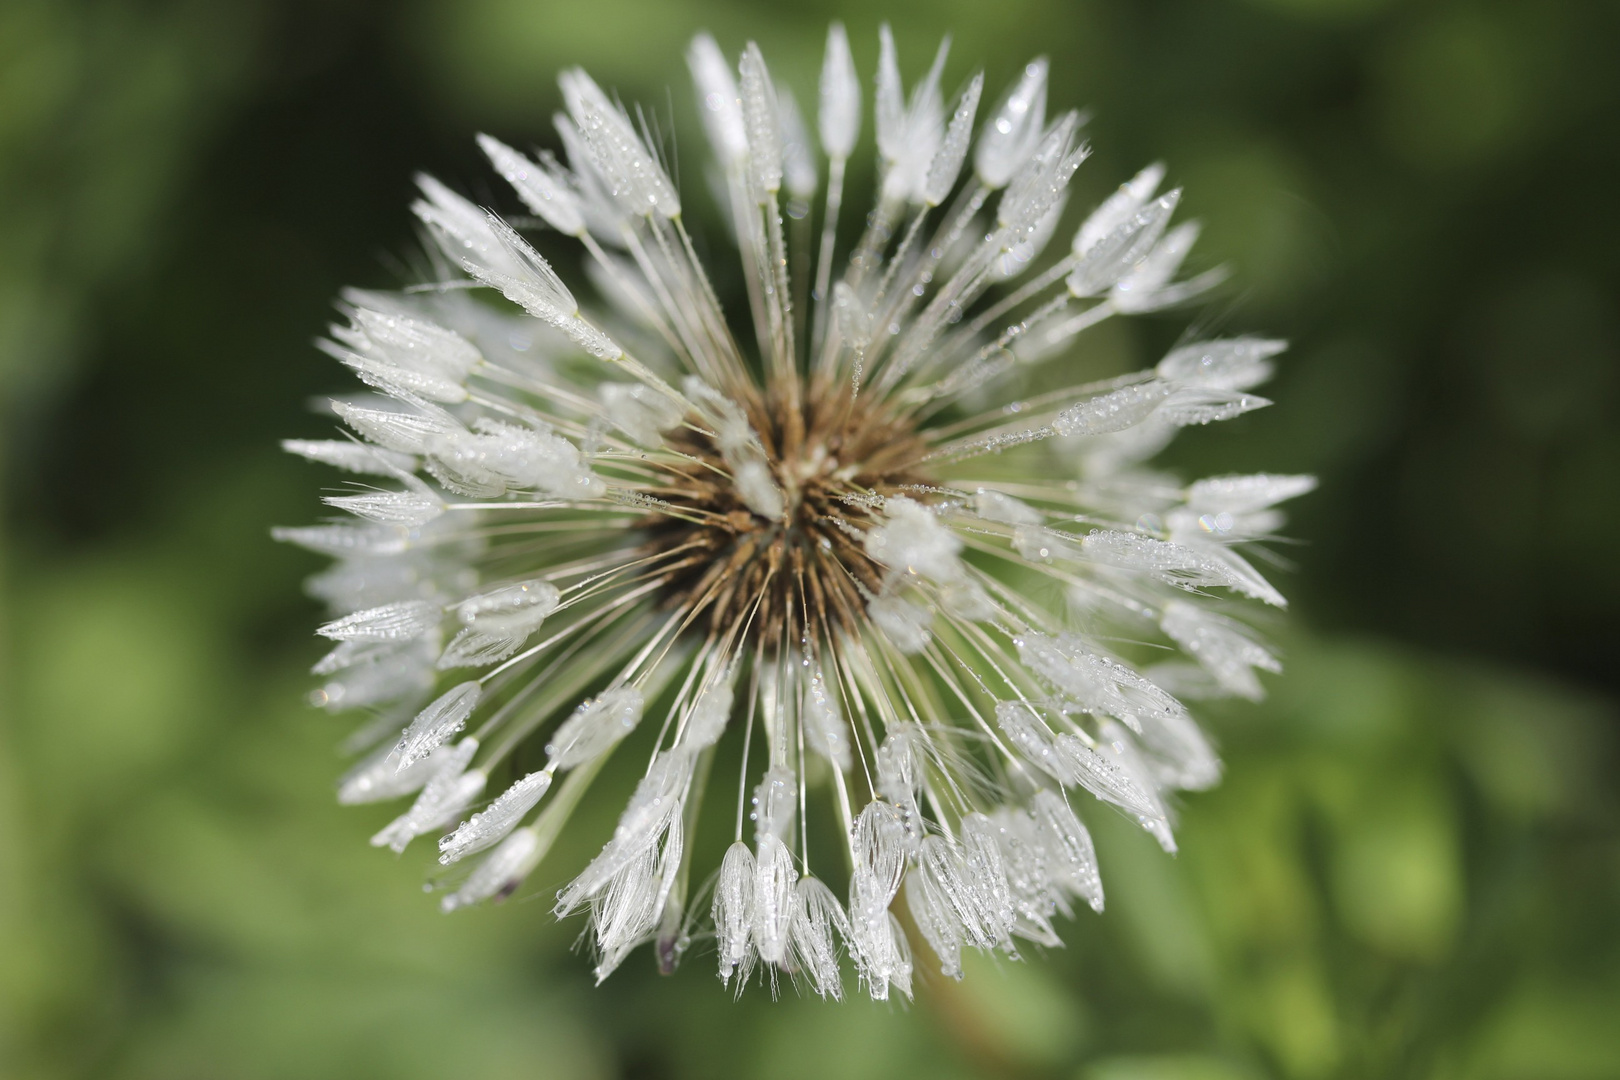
[(828, 521)]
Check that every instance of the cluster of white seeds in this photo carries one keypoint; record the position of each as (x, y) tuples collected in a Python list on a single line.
[(826, 526)]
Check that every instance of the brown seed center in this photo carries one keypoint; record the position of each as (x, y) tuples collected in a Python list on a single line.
[(776, 581)]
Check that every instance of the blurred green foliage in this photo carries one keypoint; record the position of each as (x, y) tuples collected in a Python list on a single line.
[(1413, 867)]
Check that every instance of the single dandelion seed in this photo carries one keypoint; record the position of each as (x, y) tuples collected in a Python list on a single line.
[(828, 525)]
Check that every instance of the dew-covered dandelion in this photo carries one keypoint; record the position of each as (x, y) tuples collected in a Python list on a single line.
[(828, 527)]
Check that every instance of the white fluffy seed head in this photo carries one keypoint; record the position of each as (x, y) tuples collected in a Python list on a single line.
[(1147, 287), (634, 177), (995, 506), (904, 623), (1232, 364), (379, 776), (1031, 737), (1016, 258), (604, 215), (500, 872), (1041, 183), (913, 540), (947, 163), (657, 800), (1073, 858), (758, 490), (475, 648), (407, 340), (880, 850), (595, 727), (798, 530), (1191, 406), (816, 915), (920, 133), (1095, 683), (398, 430), (825, 732), (1246, 494), (969, 895), (398, 672), (629, 906), (718, 101), (1105, 778), (443, 797), (1118, 743), (733, 913), (707, 720), (898, 961), (763, 122), (1034, 895), (1118, 208), (528, 280), (985, 877), (498, 455), (798, 153), (774, 803), (1181, 564), (627, 859), (872, 937), (935, 921), (1013, 131), (396, 379), (410, 508), (1115, 255), (967, 599), (899, 775), (511, 609), (354, 457), (401, 621), (774, 879), (1179, 756), (435, 724), (542, 190), (889, 105), (495, 822), (524, 276), (1113, 411), (461, 229), (405, 357), (1223, 647), (1042, 545), (839, 116)]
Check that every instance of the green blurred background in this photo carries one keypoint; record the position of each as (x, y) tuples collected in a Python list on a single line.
[(1413, 868)]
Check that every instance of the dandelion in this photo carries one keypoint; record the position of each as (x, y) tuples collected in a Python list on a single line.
[(830, 528)]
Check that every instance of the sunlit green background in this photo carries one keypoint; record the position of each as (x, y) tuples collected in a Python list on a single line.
[(1413, 867)]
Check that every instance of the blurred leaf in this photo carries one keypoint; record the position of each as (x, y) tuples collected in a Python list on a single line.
[(1454, 88), (1020, 1009), (1397, 879), (1550, 1033), (117, 677)]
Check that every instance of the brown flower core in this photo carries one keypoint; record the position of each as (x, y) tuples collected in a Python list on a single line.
[(807, 572)]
